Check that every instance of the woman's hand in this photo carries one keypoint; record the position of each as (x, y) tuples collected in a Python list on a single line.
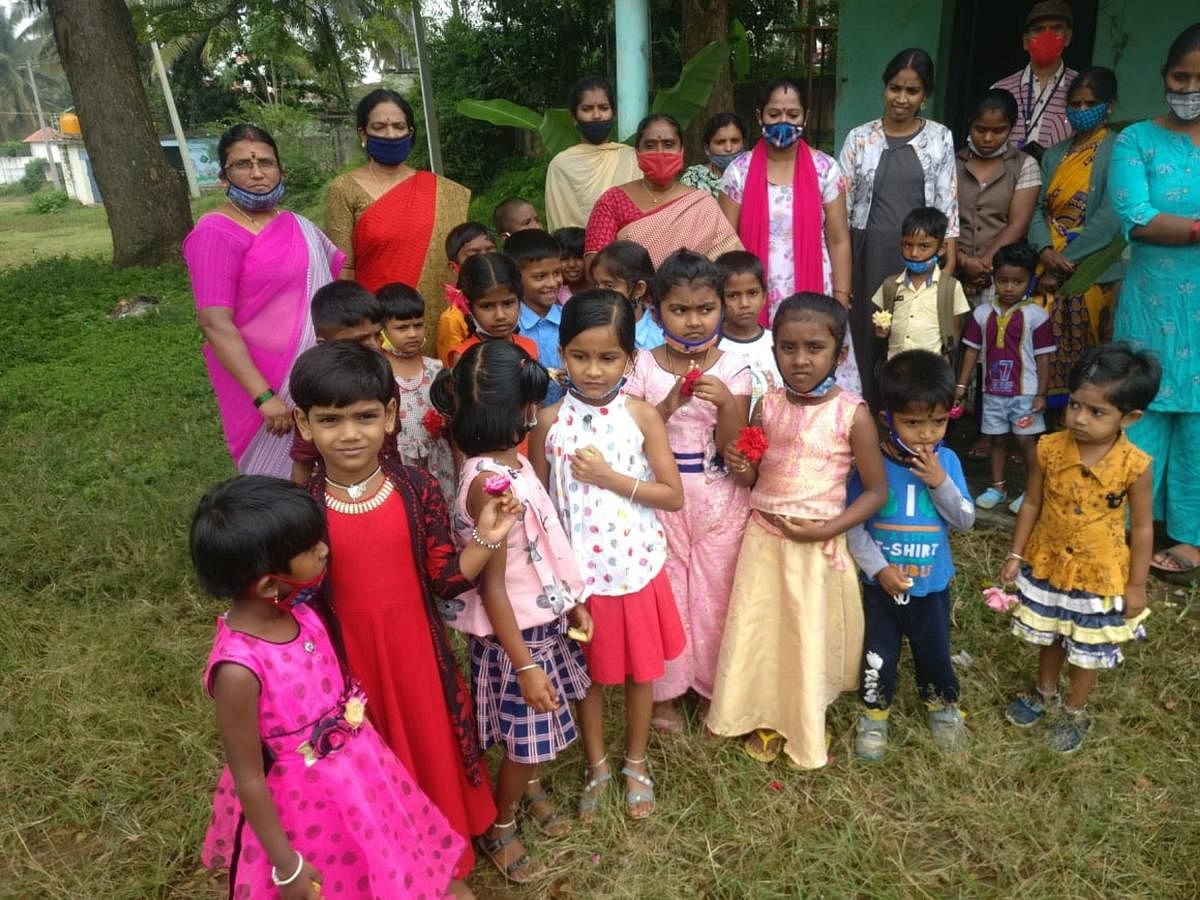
[(1055, 261), (276, 415), (712, 389), (580, 618), (589, 466), (537, 690), (973, 268), (307, 885), (497, 516), (883, 332)]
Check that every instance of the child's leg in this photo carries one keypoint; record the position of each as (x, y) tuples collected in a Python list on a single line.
[(591, 725), (1081, 683), (501, 842), (1050, 663), (510, 787), (1027, 444), (639, 701), (927, 625), (997, 458), (881, 648)]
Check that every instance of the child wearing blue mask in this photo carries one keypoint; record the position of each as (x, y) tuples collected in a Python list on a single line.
[(922, 307)]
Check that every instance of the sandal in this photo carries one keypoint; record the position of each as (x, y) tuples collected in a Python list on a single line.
[(763, 745), (644, 794), (493, 847), (590, 798), (551, 824), (1184, 571)]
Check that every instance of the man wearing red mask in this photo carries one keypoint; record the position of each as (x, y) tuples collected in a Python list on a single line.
[(1041, 87)]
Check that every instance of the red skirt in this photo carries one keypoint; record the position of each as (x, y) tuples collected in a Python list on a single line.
[(634, 634)]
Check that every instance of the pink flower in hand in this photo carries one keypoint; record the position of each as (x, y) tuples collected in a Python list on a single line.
[(999, 599), (496, 485)]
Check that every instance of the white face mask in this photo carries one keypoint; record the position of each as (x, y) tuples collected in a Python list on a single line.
[(1185, 106), (999, 151)]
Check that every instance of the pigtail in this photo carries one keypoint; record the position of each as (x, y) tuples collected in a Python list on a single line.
[(442, 394), (534, 380)]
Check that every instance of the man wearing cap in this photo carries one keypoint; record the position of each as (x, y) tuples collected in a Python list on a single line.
[(1041, 87)]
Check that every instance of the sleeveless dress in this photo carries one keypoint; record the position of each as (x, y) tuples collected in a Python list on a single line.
[(378, 597), (348, 805), (704, 536), (793, 639), (543, 584), (620, 546)]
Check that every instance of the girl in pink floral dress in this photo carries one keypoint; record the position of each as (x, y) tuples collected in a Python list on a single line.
[(330, 809), (703, 395)]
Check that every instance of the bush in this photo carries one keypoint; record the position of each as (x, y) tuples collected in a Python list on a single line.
[(14, 149), (49, 202), (35, 176), (526, 178)]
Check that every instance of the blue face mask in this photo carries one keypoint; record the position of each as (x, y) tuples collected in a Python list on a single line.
[(1084, 120), (389, 151), (903, 447), (722, 160), (252, 202), (920, 266), (782, 134), (820, 390)]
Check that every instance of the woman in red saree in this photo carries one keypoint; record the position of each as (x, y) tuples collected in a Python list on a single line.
[(390, 219), (657, 211), (254, 269)]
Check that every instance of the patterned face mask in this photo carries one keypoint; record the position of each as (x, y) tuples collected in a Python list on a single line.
[(1185, 105), (782, 134), (1084, 120), (252, 202)]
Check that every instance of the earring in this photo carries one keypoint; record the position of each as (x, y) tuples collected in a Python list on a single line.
[(532, 423)]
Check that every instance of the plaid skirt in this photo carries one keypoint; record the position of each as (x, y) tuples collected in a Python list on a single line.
[(503, 716)]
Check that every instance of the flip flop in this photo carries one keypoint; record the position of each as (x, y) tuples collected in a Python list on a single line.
[(765, 738), (1186, 573)]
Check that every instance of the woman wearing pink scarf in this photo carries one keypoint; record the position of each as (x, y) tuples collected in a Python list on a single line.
[(254, 269), (788, 204)]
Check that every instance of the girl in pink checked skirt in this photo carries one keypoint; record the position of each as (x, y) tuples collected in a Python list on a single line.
[(703, 395), (312, 802), (605, 460)]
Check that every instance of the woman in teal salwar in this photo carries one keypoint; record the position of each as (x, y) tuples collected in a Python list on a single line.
[(1155, 186)]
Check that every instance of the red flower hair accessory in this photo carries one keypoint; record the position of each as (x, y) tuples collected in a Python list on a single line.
[(434, 423)]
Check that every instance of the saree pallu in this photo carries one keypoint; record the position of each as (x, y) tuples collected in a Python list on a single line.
[(401, 237), (1078, 319), (694, 221), (268, 280)]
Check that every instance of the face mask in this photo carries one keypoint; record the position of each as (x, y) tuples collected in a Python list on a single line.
[(302, 591), (604, 398), (904, 448), (389, 151), (722, 160), (999, 151), (782, 134), (826, 385), (920, 266), (660, 168), (679, 345), (1185, 106), (252, 202), (595, 132), (1084, 120), (1046, 47)]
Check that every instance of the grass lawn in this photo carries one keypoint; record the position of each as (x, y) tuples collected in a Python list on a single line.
[(109, 752)]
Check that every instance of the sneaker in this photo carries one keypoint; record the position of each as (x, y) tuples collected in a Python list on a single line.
[(1015, 506), (1068, 731), (947, 728), (990, 499), (870, 741), (1028, 708)]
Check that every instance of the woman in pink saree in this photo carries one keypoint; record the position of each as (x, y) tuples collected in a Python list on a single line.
[(254, 269)]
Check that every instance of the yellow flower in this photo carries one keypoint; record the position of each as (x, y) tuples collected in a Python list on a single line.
[(353, 712), (882, 318), (310, 756)]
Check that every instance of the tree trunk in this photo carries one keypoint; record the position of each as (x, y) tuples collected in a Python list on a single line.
[(144, 198), (705, 21)]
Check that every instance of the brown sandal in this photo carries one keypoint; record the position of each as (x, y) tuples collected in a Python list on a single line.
[(493, 847)]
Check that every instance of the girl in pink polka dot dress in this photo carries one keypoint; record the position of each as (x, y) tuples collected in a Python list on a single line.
[(313, 803)]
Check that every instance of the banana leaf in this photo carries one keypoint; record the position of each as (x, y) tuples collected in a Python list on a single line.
[(558, 131), (1092, 267), (741, 50), (501, 112), (689, 95)]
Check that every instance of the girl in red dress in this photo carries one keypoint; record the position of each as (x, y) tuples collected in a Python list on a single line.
[(392, 556)]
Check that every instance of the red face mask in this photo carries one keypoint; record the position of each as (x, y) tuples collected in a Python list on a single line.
[(302, 591), (660, 168), (1046, 47)]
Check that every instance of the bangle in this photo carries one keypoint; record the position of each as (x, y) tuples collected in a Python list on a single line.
[(636, 483), (1194, 233), (486, 545), (526, 668), (963, 386), (280, 882), (263, 398), (1013, 554)]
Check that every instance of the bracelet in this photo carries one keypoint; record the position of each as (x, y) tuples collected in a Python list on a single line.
[(263, 398), (526, 668), (1194, 233), (636, 484), (280, 882), (963, 386), (486, 545), (1013, 554)]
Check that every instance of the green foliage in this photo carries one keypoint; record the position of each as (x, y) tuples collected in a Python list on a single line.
[(1093, 266), (49, 202), (740, 43), (34, 178), (689, 95), (523, 179), (14, 149)]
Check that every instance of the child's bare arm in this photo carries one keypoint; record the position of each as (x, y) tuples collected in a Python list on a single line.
[(537, 443), (1031, 506), (965, 371), (1043, 376), (1141, 542), (745, 472)]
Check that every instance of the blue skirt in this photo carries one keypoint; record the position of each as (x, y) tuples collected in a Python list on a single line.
[(503, 716)]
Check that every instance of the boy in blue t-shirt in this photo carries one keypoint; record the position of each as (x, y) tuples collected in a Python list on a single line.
[(903, 552)]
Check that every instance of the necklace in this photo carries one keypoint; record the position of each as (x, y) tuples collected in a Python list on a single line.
[(254, 223), (656, 197), (379, 185), (356, 490), (692, 364), (341, 506)]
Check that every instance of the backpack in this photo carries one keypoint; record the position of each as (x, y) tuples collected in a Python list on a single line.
[(945, 306)]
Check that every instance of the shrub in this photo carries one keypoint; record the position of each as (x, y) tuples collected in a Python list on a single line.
[(525, 179), (49, 202), (34, 177)]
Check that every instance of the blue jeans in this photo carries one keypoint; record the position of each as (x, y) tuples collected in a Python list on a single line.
[(925, 621)]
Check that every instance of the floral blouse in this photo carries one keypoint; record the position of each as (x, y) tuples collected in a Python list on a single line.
[(934, 146)]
